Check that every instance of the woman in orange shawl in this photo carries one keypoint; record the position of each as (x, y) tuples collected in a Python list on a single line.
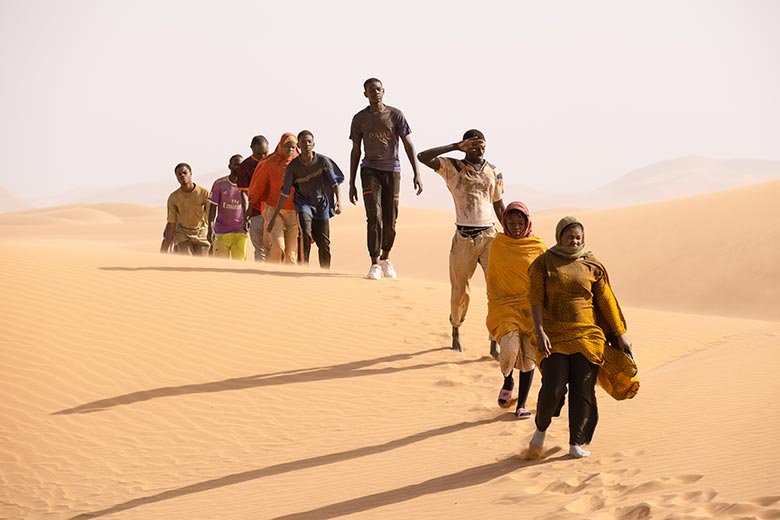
[(574, 312), (509, 313), (266, 186)]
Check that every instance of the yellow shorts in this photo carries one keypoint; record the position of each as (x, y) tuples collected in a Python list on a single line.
[(230, 245)]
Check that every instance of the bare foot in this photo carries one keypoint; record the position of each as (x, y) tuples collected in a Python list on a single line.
[(456, 340)]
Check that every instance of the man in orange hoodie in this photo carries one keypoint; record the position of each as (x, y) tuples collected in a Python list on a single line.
[(266, 186)]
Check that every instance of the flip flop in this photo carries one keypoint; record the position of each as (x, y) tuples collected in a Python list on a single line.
[(504, 398), (522, 413)]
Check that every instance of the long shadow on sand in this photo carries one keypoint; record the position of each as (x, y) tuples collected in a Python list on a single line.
[(462, 479), (468, 477), (305, 375), (288, 274)]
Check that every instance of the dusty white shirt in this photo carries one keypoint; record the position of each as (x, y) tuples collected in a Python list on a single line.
[(473, 189)]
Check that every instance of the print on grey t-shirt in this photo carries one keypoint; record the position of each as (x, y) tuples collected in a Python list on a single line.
[(380, 132)]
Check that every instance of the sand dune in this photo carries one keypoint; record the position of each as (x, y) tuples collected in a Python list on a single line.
[(712, 254), (138, 385), (684, 177)]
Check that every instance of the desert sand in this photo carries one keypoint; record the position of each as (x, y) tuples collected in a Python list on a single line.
[(147, 386)]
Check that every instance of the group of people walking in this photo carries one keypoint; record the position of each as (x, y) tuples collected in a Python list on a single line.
[(268, 198), (548, 308)]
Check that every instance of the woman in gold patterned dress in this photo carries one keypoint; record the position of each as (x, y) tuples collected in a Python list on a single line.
[(574, 312)]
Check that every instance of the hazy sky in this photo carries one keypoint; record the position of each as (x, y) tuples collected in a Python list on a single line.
[(570, 95)]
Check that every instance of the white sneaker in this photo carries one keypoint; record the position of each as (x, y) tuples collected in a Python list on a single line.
[(375, 273), (387, 269)]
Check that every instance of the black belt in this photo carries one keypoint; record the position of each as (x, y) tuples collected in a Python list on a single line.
[(471, 231)]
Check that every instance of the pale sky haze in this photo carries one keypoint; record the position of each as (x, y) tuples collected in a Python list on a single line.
[(571, 95)]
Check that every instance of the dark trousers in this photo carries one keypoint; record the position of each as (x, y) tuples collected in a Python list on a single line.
[(319, 231), (558, 370), (380, 195)]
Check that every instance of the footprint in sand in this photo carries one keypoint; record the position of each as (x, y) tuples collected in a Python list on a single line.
[(765, 501), (695, 497), (525, 476), (527, 454), (736, 510), (511, 499), (615, 491), (635, 512), (632, 453), (682, 479), (586, 504), (562, 487), (617, 476), (630, 472), (649, 487), (537, 488), (458, 380)]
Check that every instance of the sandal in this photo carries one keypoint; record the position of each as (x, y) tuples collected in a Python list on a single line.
[(522, 413), (504, 397)]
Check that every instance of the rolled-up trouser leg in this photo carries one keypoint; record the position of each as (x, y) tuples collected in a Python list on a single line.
[(510, 349), (464, 257)]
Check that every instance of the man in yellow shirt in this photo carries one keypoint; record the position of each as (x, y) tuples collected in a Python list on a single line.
[(188, 226)]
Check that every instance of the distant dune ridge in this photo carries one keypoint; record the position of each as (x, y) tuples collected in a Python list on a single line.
[(137, 385), (147, 193), (683, 177), (664, 180), (10, 202)]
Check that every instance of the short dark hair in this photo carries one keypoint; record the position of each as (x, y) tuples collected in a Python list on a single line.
[(258, 139), (182, 164), (234, 156), (367, 82), (473, 133), (304, 133)]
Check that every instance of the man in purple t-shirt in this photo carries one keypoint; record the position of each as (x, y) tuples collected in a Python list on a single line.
[(228, 215), (378, 127)]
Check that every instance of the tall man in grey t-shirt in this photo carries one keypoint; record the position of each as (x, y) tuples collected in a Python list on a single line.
[(378, 127)]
